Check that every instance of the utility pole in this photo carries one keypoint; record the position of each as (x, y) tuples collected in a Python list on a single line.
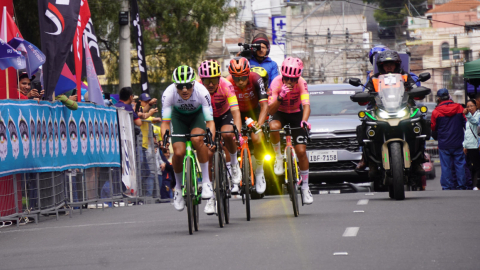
[(289, 30), (125, 71), (311, 60), (248, 32)]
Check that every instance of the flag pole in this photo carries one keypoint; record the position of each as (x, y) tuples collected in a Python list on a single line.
[(5, 39)]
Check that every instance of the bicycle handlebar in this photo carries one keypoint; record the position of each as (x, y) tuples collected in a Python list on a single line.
[(188, 136), (235, 131), (287, 130)]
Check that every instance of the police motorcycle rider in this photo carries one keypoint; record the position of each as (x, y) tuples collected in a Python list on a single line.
[(389, 62), (374, 51)]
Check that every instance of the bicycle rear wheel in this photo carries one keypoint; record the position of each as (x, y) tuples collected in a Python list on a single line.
[(292, 190), (190, 194), (246, 180), (218, 188)]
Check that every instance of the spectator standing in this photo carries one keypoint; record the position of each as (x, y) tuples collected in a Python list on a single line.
[(168, 176), (448, 121), (126, 99), (471, 142), (25, 87), (147, 153), (260, 58)]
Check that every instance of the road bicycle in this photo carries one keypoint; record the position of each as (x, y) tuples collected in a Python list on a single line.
[(221, 179), (190, 174), (291, 166), (248, 180)]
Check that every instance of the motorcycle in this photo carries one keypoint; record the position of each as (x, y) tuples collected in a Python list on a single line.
[(393, 131)]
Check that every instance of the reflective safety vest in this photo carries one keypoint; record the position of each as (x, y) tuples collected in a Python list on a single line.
[(375, 82)]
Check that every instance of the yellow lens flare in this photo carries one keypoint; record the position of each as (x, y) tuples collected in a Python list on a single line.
[(267, 157), (239, 159)]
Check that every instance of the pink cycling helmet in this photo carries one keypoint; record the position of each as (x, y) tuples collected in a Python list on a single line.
[(292, 67), (209, 69)]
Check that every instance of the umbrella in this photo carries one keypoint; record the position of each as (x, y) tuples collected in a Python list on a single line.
[(33, 56), (9, 57)]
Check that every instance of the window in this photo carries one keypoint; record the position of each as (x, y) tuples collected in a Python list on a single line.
[(447, 75), (445, 51)]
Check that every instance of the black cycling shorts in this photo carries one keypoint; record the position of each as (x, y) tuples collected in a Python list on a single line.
[(294, 120), (222, 120)]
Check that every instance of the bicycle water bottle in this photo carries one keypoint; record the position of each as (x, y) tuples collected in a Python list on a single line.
[(251, 124)]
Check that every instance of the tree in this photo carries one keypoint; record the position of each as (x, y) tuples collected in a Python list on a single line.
[(175, 31), (393, 13)]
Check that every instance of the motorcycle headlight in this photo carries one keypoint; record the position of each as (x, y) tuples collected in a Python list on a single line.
[(383, 114), (402, 113)]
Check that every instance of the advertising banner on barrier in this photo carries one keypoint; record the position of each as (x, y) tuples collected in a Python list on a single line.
[(127, 152), (43, 137)]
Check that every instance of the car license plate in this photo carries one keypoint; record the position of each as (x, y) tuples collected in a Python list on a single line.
[(322, 156)]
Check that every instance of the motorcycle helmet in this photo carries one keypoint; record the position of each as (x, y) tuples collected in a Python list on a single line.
[(375, 50), (388, 56)]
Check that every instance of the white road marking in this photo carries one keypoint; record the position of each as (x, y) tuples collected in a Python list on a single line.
[(362, 202), (334, 191), (369, 194), (358, 211), (323, 192), (340, 253), (351, 232)]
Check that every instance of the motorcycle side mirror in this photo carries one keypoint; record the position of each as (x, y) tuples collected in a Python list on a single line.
[(423, 77), (355, 81), (419, 91), (362, 97)]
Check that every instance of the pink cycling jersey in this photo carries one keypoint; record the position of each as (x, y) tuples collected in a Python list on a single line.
[(224, 98), (291, 103)]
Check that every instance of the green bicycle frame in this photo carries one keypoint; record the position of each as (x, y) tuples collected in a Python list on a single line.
[(190, 154)]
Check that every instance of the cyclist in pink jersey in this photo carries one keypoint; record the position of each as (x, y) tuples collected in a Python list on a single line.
[(225, 111), (288, 92)]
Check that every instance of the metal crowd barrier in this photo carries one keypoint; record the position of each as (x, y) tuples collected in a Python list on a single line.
[(432, 149), (147, 176), (30, 195), (93, 186)]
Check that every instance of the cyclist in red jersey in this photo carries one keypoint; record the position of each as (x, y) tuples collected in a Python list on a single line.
[(288, 92), (225, 114), (252, 100)]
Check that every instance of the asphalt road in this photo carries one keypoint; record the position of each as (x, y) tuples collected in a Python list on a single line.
[(430, 229)]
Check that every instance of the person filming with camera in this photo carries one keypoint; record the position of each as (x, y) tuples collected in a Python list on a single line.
[(260, 56)]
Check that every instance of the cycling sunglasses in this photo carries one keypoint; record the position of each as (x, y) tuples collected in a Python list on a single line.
[(242, 78), (286, 79), (180, 86), (208, 81)]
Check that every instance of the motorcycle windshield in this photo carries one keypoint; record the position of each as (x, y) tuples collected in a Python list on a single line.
[(391, 93)]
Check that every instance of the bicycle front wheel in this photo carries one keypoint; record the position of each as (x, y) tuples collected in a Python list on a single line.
[(218, 188), (190, 194), (292, 181), (246, 180), (225, 189)]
